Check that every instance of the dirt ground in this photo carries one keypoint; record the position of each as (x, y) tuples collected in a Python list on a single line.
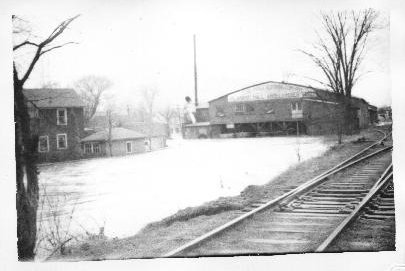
[(160, 237)]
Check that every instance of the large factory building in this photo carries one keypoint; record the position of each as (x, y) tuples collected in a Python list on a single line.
[(272, 108)]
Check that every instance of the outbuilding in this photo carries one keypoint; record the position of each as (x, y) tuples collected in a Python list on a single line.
[(123, 142)]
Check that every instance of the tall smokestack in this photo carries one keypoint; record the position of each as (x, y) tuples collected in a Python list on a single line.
[(195, 73)]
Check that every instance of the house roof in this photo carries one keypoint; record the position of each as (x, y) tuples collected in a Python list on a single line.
[(117, 134), (153, 130), (53, 98)]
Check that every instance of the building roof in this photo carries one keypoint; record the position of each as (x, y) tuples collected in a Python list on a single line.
[(266, 83), (284, 84), (53, 98), (117, 134), (372, 107), (153, 130)]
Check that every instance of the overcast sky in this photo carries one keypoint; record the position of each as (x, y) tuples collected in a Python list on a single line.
[(138, 44)]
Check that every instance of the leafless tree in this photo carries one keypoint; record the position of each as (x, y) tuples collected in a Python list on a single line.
[(341, 49), (168, 113), (339, 53), (91, 89), (25, 142), (109, 117), (287, 75), (148, 96)]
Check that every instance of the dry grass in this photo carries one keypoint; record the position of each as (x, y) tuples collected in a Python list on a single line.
[(367, 235)]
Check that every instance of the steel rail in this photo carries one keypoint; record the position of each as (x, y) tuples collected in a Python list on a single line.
[(310, 184), (293, 193), (385, 136), (387, 175)]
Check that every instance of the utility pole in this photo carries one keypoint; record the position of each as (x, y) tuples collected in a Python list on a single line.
[(195, 72)]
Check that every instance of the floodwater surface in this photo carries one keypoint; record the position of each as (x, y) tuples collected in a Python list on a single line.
[(123, 194)]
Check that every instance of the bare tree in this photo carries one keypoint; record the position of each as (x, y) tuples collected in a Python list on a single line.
[(91, 89), (148, 96), (26, 142), (168, 113), (111, 120), (109, 117), (340, 51)]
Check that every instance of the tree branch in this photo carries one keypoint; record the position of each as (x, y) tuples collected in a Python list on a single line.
[(41, 46), (16, 47), (56, 47)]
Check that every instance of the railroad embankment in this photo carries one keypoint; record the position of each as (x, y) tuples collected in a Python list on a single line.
[(160, 237)]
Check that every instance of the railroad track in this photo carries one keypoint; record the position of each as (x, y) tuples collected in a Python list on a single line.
[(372, 227), (306, 219)]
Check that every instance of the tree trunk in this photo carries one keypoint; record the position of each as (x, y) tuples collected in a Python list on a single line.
[(26, 177), (347, 118), (343, 118), (110, 127), (168, 131), (110, 139)]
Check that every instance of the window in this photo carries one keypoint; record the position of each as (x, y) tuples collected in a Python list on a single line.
[(96, 148), (249, 108), (296, 110), (240, 108), (61, 116), (219, 111), (87, 148), (243, 108), (43, 144), (92, 148), (129, 147), (296, 106), (61, 141)]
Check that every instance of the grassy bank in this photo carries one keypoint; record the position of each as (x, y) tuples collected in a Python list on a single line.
[(160, 237)]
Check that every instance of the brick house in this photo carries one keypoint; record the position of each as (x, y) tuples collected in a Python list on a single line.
[(57, 118)]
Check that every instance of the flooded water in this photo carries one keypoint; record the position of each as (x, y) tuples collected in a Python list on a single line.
[(125, 193)]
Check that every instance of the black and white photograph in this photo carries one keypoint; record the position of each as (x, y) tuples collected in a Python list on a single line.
[(203, 130)]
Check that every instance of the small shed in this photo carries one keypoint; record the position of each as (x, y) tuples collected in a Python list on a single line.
[(123, 142)]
